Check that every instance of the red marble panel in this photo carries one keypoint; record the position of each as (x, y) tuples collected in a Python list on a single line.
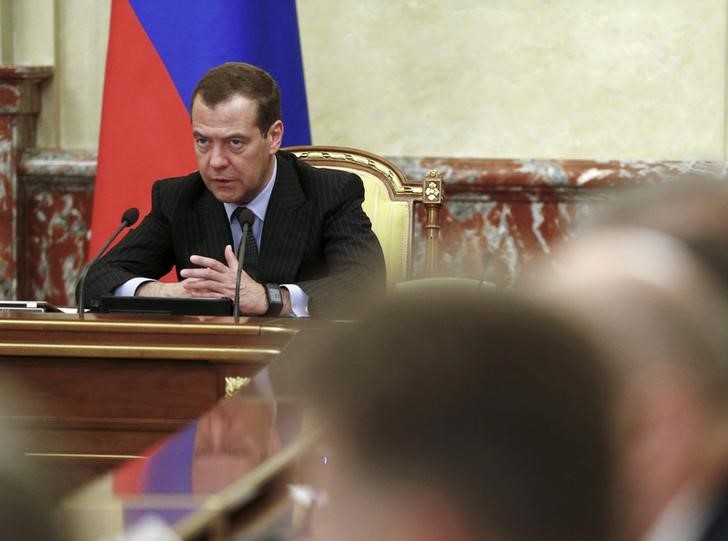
[(19, 103), (9, 96), (501, 216), (20, 88), (468, 175), (498, 241), (56, 198), (56, 226), (7, 210)]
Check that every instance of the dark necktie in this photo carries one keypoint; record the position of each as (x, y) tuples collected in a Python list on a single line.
[(250, 265)]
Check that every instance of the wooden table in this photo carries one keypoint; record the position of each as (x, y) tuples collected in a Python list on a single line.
[(98, 391)]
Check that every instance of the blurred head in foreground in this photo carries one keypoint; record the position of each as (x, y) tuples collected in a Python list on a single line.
[(693, 209), (457, 415), (658, 314)]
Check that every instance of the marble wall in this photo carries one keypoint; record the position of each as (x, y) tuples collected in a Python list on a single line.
[(501, 217), (19, 107), (557, 79), (55, 202)]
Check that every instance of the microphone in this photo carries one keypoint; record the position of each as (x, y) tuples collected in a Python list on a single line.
[(246, 219), (128, 219)]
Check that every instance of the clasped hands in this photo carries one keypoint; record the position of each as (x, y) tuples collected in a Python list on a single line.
[(212, 279)]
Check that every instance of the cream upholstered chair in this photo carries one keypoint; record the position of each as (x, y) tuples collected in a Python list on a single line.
[(389, 199)]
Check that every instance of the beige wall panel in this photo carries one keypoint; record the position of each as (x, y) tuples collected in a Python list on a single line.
[(6, 32), (34, 32), (527, 78), (29, 28), (532, 78), (70, 35), (82, 27)]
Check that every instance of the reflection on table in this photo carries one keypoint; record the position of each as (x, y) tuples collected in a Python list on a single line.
[(238, 464)]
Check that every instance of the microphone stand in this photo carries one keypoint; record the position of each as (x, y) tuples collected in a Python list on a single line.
[(128, 219)]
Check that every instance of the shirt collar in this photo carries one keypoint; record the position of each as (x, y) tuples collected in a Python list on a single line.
[(259, 205)]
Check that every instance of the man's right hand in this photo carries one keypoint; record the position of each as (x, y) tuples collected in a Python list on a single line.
[(162, 289)]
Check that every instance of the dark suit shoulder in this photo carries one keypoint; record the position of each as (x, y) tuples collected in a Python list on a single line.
[(188, 184), (316, 181), (170, 195)]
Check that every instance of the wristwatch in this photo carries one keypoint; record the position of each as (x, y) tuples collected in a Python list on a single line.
[(275, 299)]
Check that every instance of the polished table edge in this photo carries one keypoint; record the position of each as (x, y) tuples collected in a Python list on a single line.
[(86, 457), (148, 337), (142, 352), (154, 323)]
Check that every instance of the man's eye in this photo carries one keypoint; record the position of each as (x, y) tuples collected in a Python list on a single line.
[(236, 143), (201, 141)]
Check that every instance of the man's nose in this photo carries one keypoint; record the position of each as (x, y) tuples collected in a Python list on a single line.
[(218, 158)]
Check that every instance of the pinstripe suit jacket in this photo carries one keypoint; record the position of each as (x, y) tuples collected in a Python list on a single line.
[(315, 235)]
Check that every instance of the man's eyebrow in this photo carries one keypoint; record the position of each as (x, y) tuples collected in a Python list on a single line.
[(234, 135)]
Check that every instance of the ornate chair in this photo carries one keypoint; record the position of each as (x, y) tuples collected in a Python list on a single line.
[(389, 199)]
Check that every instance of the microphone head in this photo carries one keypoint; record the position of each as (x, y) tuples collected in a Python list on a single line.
[(130, 216), (245, 216)]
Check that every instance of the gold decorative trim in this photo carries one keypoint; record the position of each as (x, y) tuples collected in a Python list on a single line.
[(432, 195), (219, 354), (349, 157), (234, 383), (83, 456), (432, 187)]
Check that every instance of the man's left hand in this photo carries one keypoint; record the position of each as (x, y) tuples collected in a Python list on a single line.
[(215, 279)]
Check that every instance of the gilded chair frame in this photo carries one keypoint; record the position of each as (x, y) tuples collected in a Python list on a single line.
[(428, 192)]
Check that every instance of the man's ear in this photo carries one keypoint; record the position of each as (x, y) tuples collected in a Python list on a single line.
[(275, 136)]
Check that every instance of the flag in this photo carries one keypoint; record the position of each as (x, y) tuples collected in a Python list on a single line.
[(158, 50)]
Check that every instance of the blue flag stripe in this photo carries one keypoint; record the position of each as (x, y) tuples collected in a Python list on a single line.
[(193, 36)]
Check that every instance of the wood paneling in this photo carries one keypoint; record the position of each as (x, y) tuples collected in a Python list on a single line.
[(105, 388)]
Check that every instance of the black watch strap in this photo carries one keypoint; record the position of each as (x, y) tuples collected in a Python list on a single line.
[(275, 299)]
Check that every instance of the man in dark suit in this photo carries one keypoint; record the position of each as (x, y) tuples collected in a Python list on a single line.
[(310, 248)]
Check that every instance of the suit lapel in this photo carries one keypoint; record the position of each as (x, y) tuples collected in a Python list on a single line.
[(286, 226), (209, 228)]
